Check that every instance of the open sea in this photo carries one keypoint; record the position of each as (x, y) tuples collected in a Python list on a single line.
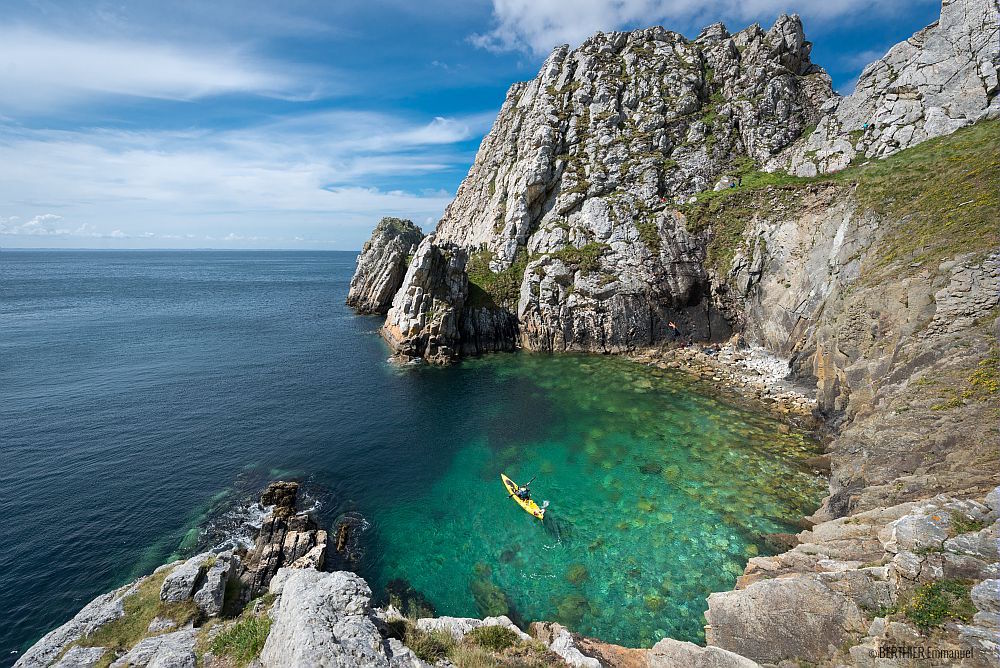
[(146, 397)]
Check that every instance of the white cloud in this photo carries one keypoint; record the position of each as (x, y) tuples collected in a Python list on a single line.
[(308, 176), (39, 69), (536, 26)]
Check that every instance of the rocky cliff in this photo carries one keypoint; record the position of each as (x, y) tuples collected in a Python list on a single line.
[(719, 183), (576, 214), (382, 265)]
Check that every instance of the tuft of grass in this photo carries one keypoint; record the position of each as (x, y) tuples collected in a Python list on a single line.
[(489, 289), (984, 383), (961, 524), (586, 258), (471, 656), (935, 603), (242, 641), (429, 647), (492, 638), (141, 607), (649, 233)]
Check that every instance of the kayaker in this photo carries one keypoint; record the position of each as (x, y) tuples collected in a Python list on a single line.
[(523, 493)]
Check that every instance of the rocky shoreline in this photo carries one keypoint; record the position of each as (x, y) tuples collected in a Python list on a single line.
[(917, 574), (747, 376)]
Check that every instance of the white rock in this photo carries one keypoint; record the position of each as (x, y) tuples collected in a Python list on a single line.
[(322, 619)]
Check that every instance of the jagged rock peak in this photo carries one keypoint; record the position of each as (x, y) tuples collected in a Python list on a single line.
[(942, 78), (583, 162), (382, 265)]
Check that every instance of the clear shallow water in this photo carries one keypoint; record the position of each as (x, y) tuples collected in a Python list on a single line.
[(143, 394)]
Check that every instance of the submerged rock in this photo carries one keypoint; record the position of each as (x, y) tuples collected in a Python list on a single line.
[(407, 600), (382, 265)]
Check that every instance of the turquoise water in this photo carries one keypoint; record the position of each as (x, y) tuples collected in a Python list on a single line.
[(658, 496), (147, 397)]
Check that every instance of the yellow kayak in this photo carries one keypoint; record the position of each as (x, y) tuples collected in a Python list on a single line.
[(529, 506)]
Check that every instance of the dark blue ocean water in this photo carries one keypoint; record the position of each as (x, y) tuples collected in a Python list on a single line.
[(144, 394)]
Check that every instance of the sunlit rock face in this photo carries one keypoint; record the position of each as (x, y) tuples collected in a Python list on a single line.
[(382, 265), (941, 79), (574, 186)]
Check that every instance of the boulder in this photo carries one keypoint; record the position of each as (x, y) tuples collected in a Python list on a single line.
[(211, 595), (322, 619), (795, 617), (459, 626), (986, 596), (560, 640), (81, 657), (180, 583), (669, 652)]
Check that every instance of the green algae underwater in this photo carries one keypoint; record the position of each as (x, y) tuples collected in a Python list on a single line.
[(658, 493)]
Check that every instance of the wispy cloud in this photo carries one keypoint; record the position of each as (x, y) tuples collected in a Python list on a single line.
[(39, 69), (306, 177), (536, 26)]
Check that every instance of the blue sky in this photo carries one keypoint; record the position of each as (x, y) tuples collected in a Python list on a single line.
[(299, 124)]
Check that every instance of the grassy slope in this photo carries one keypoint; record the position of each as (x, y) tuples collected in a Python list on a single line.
[(940, 198)]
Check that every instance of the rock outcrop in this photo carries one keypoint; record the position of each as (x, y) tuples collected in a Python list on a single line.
[(322, 619), (101, 611), (941, 79), (286, 538), (382, 265), (577, 202), (424, 319), (824, 601)]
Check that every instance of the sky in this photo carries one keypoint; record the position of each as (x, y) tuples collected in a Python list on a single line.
[(240, 124)]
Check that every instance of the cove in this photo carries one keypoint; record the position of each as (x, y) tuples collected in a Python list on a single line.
[(659, 494), (145, 395)]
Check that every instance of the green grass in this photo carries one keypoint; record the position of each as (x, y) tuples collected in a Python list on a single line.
[(649, 234), (141, 607), (489, 289), (397, 225), (944, 193), (242, 641), (961, 524), (935, 603), (586, 258), (492, 638), (940, 199), (483, 647), (984, 383), (429, 646)]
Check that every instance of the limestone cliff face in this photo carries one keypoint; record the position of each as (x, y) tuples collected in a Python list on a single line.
[(572, 187), (382, 265)]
